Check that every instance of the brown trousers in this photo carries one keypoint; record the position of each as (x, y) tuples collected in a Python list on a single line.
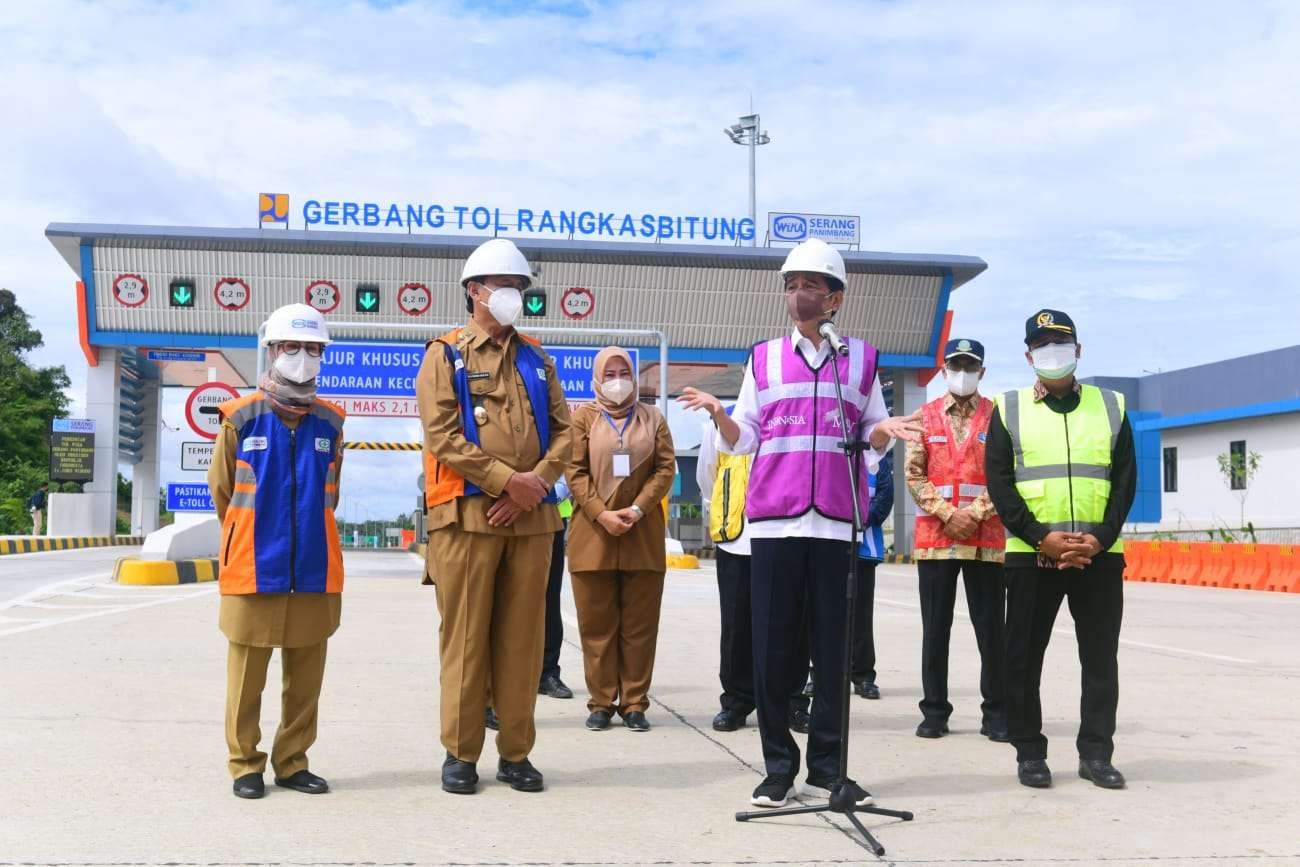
[(492, 597), (618, 618), (303, 671)]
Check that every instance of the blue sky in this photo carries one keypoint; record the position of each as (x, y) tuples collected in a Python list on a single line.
[(1133, 164)]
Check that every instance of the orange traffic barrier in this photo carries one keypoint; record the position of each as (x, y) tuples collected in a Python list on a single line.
[(1157, 563), (1216, 568), (1250, 567), (1135, 553), (1284, 569), (1185, 562)]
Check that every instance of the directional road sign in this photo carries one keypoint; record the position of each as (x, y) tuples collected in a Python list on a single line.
[(201, 408)]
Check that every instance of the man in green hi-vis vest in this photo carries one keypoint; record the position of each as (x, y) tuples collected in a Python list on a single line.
[(1062, 475)]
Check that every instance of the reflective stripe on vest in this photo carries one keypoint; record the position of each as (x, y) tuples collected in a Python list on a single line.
[(1062, 460), (442, 484), (798, 465), (957, 472), (279, 533), (727, 502)]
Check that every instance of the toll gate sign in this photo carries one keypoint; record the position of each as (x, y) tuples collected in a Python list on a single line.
[(72, 450), (201, 408)]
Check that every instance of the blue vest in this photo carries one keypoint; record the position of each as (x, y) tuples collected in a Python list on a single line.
[(532, 373), (295, 492), (873, 537)]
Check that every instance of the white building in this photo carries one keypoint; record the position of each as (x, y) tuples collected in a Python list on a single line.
[(1184, 420)]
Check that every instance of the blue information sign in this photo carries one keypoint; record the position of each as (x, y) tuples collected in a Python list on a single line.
[(189, 497), (389, 369), (175, 355)]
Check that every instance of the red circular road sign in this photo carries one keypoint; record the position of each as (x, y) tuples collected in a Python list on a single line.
[(323, 295), (231, 293), (201, 408), (577, 302), (130, 290), (414, 298)]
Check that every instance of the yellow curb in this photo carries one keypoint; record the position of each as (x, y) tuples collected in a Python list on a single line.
[(34, 544), (683, 561), (156, 573)]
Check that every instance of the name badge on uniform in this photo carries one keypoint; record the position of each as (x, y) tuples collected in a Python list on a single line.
[(322, 444), (938, 439), (622, 463), (482, 374), (256, 444)]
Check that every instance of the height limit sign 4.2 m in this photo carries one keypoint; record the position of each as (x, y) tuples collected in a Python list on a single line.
[(577, 302)]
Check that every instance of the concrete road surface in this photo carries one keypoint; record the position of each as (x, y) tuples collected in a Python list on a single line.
[(111, 702)]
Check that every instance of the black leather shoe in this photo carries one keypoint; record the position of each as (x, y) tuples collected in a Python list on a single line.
[(304, 781), (490, 720), (995, 734), (636, 721), (799, 721), (932, 728), (1034, 773), (1101, 773), (866, 689), (728, 721), (521, 775), (459, 778), (598, 721), (250, 786), (554, 687)]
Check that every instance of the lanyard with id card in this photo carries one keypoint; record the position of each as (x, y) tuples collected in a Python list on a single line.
[(622, 458)]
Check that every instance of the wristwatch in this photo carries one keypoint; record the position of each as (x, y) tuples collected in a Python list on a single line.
[(639, 514)]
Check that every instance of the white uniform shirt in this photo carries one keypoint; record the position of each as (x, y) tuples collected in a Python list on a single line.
[(811, 524), (706, 472)]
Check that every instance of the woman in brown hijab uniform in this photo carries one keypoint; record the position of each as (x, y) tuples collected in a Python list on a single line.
[(623, 466)]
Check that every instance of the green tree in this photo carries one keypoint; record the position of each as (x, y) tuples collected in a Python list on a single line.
[(1238, 471), (30, 399)]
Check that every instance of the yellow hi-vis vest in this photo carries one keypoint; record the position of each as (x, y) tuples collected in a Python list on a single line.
[(727, 505), (1062, 460)]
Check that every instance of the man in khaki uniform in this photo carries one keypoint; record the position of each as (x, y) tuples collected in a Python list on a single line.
[(274, 482), (496, 438)]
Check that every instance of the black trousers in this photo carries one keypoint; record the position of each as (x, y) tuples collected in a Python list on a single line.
[(1096, 599), (864, 638), (793, 579), (986, 598), (554, 625), (736, 643)]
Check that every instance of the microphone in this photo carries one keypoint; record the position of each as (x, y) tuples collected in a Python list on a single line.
[(826, 329)]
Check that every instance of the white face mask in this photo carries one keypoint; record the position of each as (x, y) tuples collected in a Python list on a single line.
[(299, 368), (962, 382), (1055, 360), (505, 304), (616, 390)]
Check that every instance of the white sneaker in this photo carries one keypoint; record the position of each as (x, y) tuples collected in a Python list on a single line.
[(820, 788), (774, 791)]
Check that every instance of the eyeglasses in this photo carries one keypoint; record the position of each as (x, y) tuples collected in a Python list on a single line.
[(293, 347)]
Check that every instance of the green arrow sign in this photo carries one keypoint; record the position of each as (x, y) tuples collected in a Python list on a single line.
[(534, 303), (367, 299), (182, 293)]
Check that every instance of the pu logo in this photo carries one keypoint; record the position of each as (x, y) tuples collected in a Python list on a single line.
[(273, 208)]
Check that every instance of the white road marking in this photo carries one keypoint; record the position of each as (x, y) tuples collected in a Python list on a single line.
[(959, 609), (51, 607), (205, 591)]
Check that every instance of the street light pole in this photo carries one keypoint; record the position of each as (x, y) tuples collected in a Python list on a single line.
[(749, 132)]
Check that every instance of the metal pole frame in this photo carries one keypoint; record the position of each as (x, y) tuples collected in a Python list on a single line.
[(437, 328)]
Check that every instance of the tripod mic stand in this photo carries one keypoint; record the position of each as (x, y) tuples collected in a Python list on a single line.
[(843, 800)]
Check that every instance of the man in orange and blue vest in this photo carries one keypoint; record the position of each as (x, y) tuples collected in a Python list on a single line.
[(496, 440), (274, 479), (958, 532)]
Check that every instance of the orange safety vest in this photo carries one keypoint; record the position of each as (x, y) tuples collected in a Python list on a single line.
[(279, 533), (442, 484), (957, 472)]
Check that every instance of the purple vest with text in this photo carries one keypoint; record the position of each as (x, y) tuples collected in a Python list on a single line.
[(798, 465)]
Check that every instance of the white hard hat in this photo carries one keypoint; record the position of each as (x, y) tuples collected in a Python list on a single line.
[(817, 257), (300, 322), (497, 256)]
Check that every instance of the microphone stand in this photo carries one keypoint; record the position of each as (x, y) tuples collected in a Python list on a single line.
[(842, 798)]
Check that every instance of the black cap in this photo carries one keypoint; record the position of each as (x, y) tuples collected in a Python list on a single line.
[(962, 346), (1049, 321)]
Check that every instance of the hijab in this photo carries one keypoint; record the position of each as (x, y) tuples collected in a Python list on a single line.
[(639, 437)]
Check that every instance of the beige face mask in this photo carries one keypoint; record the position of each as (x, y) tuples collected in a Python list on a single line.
[(616, 390)]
